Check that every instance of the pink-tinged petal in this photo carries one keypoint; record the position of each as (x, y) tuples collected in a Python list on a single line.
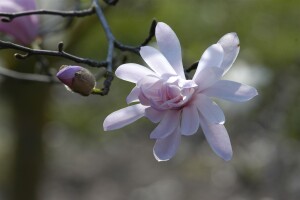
[(132, 72), (154, 115), (133, 95), (231, 91), (169, 45), (218, 139), (209, 109), (123, 117), (189, 120), (156, 61), (23, 29), (207, 77), (231, 46), (212, 57), (164, 149), (167, 125)]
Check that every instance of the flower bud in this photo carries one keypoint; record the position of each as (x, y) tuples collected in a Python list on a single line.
[(23, 29), (77, 79)]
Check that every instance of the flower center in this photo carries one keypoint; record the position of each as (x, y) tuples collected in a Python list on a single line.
[(163, 94)]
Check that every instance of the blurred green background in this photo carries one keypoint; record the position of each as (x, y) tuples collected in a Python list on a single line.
[(52, 144)]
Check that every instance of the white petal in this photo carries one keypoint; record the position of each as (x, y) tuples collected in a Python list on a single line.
[(154, 115), (164, 149), (167, 125), (231, 91), (133, 95), (209, 109), (123, 117), (207, 77), (189, 120), (218, 139), (169, 45), (212, 57), (231, 46), (132, 72), (156, 61)]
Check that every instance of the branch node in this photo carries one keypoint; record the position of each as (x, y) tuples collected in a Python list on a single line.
[(21, 56), (6, 19), (60, 46)]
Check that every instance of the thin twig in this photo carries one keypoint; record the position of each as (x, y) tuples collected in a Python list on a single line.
[(111, 2), (8, 17), (60, 53), (192, 67), (136, 49), (151, 33)]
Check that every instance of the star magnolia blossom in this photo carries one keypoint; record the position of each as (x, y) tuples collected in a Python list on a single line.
[(23, 29), (180, 106)]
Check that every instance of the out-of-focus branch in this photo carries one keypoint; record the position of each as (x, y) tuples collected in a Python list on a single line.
[(27, 77)]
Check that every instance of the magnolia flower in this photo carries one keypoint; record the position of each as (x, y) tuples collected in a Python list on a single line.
[(181, 106), (77, 79), (22, 29)]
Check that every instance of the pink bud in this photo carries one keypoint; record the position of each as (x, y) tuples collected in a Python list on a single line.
[(78, 79), (23, 29)]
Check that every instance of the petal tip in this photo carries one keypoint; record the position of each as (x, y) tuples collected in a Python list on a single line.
[(227, 157), (230, 39), (158, 159)]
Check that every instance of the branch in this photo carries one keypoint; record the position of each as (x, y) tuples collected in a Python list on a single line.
[(192, 67), (112, 42), (109, 36), (27, 77), (111, 2), (8, 17), (60, 53), (136, 49)]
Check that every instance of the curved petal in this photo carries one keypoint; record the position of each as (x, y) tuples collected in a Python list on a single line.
[(164, 149), (218, 139), (167, 125), (212, 57), (231, 91), (231, 46), (210, 110), (169, 45), (132, 72), (207, 77), (189, 120), (133, 95), (154, 115), (156, 61), (123, 117)]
